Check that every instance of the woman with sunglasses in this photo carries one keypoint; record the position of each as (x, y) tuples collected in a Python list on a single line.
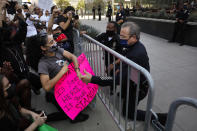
[(51, 62)]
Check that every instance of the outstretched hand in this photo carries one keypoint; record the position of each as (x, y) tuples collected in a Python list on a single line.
[(87, 77)]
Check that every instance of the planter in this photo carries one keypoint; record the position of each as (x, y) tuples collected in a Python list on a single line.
[(164, 28)]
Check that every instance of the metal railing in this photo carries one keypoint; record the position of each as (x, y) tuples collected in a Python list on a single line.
[(173, 108), (95, 53)]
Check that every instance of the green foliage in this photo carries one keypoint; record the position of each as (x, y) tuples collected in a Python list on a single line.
[(62, 3), (99, 2), (91, 31), (81, 4), (161, 14)]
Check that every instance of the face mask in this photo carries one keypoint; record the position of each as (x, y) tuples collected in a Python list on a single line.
[(110, 33), (53, 48), (123, 42), (11, 91)]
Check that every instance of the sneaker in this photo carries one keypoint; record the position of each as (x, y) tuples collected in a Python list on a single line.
[(81, 117)]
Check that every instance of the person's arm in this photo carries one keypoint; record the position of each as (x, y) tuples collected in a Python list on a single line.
[(50, 24), (74, 60), (101, 81), (38, 120), (25, 112), (111, 66), (48, 84), (64, 25)]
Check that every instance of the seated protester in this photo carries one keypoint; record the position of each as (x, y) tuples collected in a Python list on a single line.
[(11, 39), (110, 39), (12, 115), (51, 63), (21, 88), (66, 23)]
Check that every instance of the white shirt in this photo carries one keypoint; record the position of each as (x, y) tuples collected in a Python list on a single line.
[(44, 18), (31, 30)]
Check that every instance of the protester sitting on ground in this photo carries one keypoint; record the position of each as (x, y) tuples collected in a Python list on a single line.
[(12, 115), (130, 36), (21, 88), (51, 63), (11, 39)]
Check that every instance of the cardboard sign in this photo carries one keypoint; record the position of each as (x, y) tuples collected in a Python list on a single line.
[(71, 93)]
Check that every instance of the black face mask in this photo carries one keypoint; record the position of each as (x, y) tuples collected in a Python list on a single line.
[(11, 91), (53, 48), (110, 33)]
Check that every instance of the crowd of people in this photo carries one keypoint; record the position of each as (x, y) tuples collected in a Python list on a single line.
[(36, 47)]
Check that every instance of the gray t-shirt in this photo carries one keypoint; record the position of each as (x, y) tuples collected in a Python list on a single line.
[(52, 65)]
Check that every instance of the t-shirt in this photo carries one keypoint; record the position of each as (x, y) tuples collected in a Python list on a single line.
[(31, 30), (44, 18), (52, 65), (69, 31)]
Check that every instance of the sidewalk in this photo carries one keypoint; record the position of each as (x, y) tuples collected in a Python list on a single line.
[(173, 69)]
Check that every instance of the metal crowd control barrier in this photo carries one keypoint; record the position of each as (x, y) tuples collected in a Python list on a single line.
[(76, 41), (173, 108), (94, 51)]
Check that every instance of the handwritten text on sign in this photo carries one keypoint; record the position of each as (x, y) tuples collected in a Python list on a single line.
[(71, 93)]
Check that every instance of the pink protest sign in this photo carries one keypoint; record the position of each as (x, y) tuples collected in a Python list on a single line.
[(71, 93)]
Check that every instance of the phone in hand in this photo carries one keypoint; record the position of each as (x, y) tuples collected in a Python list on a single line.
[(43, 114)]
